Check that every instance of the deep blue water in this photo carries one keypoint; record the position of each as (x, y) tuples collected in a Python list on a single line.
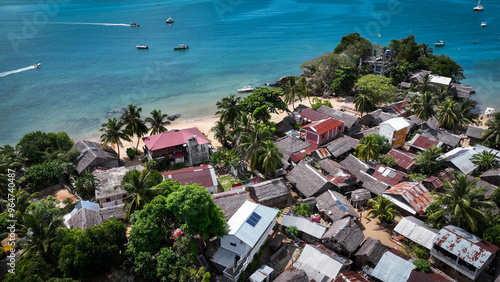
[(90, 68)]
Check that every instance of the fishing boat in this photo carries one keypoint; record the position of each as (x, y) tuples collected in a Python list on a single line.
[(181, 47), (134, 24), (245, 89), (478, 8), (489, 112), (483, 24), (37, 65), (169, 21), (142, 46), (439, 43)]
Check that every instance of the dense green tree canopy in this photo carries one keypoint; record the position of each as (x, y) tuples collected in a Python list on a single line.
[(43, 175), (263, 96), (345, 80), (39, 146), (379, 87), (354, 46)]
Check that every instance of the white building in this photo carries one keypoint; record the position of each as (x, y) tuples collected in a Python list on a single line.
[(395, 130), (248, 230)]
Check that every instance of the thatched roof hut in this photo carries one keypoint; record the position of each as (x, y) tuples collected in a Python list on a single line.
[(370, 252), (230, 201), (335, 206), (270, 193), (84, 215), (92, 155), (308, 181), (344, 235)]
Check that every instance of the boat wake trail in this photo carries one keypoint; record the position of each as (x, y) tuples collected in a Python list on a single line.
[(100, 24), (3, 74)]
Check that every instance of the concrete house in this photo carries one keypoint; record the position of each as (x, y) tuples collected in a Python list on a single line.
[(352, 123), (249, 228), (395, 131), (320, 132), (204, 175)]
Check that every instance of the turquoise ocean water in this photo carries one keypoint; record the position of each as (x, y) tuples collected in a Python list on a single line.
[(90, 64)]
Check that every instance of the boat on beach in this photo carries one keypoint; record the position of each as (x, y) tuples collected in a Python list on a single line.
[(181, 47), (142, 46), (483, 24), (170, 20), (439, 43), (37, 65), (134, 24), (245, 89), (478, 8), (489, 112)]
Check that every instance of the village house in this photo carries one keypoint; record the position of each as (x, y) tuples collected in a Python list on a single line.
[(263, 274), (286, 124), (320, 263), (475, 134), (395, 131), (450, 141), (321, 154), (461, 91), (337, 174), (352, 123), (322, 131), (203, 175), (309, 115), (433, 183), (344, 236), (417, 231), (372, 184), (360, 197), (368, 131), (420, 142), (350, 276), (417, 76), (309, 231), (107, 191), (370, 252), (292, 274), (397, 108), (389, 175), (403, 159), (412, 198), (93, 155), (377, 117), (355, 166), (334, 206), (491, 176), (308, 181), (249, 228), (187, 146), (288, 146), (461, 251), (84, 215), (394, 266), (271, 193), (342, 146), (461, 158), (230, 201)]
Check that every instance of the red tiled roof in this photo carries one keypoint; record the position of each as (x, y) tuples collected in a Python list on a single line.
[(414, 193), (302, 154), (312, 115), (173, 138), (388, 175), (323, 126), (404, 159), (203, 175), (424, 142)]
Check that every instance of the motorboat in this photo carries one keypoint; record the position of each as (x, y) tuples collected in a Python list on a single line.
[(479, 7), (245, 89), (483, 24), (142, 46), (169, 21), (181, 47), (489, 112), (37, 65), (439, 43), (134, 24)]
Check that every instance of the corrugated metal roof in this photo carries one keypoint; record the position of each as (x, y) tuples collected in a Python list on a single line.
[(436, 181), (397, 123), (388, 175), (392, 268), (312, 115), (403, 159), (261, 274), (305, 225), (203, 175), (423, 142), (323, 126), (239, 227), (350, 276), (323, 153), (318, 264), (416, 230), (414, 193), (173, 138), (465, 245), (301, 154)]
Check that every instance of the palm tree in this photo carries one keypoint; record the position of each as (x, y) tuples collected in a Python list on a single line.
[(485, 160), (304, 87), (447, 115), (383, 209), (369, 147), (131, 117), (22, 199), (425, 84), (465, 114), (363, 103), (291, 90), (428, 161), (138, 186), (228, 109), (423, 106), (270, 157), (113, 134), (157, 122), (464, 201), (425, 50), (492, 133), (251, 143), (221, 133)]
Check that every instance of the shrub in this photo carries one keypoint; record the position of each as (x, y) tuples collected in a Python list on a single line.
[(318, 103), (131, 153), (420, 253), (388, 161), (422, 265), (44, 174), (417, 177), (292, 232), (303, 209)]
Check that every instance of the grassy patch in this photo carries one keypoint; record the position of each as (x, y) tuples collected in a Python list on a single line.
[(228, 181)]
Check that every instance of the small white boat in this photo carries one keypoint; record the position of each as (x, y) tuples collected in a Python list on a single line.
[(489, 112), (170, 20), (439, 43), (142, 46), (245, 89), (478, 8), (37, 65), (483, 24)]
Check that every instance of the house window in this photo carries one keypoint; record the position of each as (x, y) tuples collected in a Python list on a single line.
[(323, 135), (232, 244)]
